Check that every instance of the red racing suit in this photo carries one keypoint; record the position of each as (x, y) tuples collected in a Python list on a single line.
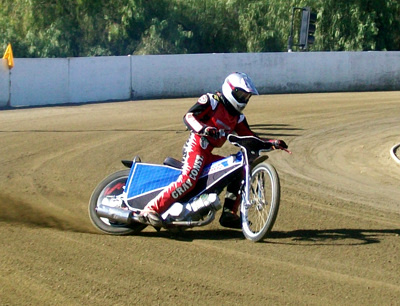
[(211, 110)]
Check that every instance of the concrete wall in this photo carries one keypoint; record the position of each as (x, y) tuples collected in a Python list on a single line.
[(190, 75), (45, 81), (99, 79), (39, 81), (96, 79)]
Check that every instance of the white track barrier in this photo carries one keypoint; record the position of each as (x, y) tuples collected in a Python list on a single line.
[(394, 156), (44, 81)]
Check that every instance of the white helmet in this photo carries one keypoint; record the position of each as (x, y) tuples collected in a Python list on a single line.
[(237, 89)]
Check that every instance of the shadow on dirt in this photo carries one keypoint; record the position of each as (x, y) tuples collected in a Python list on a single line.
[(273, 130), (342, 236), (195, 234)]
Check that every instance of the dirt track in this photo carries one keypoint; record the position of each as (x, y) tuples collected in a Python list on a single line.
[(336, 240)]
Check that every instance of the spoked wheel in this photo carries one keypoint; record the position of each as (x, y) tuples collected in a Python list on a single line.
[(259, 217), (109, 192)]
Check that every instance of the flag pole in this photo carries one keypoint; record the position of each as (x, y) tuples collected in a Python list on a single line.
[(8, 55)]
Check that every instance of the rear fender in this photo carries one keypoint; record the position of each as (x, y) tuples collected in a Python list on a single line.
[(129, 163)]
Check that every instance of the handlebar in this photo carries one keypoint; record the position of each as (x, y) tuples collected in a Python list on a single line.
[(255, 144), (263, 145)]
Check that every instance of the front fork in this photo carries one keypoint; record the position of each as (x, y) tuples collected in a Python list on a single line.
[(247, 181), (246, 189)]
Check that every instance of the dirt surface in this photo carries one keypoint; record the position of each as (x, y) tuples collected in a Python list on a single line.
[(336, 240)]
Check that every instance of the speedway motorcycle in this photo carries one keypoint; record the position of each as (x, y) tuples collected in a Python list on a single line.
[(118, 200)]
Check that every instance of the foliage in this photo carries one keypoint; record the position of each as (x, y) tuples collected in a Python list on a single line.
[(38, 28)]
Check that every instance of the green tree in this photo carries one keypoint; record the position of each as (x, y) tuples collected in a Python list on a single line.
[(51, 28)]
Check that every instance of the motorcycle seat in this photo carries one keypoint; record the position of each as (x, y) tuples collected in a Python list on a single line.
[(172, 162)]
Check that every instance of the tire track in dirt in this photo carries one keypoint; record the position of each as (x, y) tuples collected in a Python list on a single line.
[(345, 160)]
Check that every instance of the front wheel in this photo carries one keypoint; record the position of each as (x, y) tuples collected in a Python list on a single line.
[(109, 191), (258, 216)]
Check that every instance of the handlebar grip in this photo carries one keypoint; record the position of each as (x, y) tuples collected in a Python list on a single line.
[(213, 132)]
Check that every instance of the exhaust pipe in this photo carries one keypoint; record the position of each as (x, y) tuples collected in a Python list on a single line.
[(114, 213), (209, 218)]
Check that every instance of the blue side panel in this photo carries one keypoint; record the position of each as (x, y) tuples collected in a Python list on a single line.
[(222, 164), (145, 178)]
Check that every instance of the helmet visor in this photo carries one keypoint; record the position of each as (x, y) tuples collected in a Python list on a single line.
[(240, 95)]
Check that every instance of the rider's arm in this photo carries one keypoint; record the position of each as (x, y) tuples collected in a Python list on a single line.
[(197, 113), (243, 129)]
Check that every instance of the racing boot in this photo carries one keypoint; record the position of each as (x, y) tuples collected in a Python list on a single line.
[(230, 220), (229, 217), (151, 217)]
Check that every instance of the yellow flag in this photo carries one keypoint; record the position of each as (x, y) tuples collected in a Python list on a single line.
[(8, 55)]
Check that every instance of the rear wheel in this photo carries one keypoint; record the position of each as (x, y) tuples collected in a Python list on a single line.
[(259, 216), (109, 192)]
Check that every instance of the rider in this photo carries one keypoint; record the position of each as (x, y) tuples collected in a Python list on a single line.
[(205, 119)]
